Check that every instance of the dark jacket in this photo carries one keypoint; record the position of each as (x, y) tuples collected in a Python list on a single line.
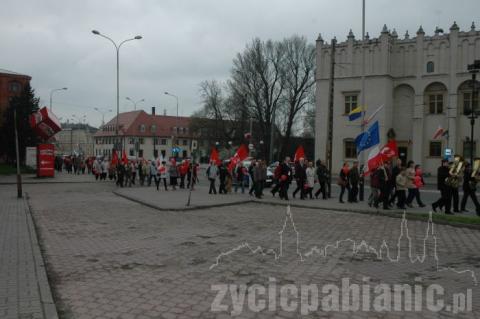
[(286, 170), (300, 172), (322, 173), (442, 174), (353, 176)]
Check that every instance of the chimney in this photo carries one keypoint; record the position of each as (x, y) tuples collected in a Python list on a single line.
[(153, 110)]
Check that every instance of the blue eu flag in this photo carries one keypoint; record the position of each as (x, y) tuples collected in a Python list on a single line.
[(368, 138)]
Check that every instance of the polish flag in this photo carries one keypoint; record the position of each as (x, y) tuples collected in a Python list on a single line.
[(438, 133), (376, 156)]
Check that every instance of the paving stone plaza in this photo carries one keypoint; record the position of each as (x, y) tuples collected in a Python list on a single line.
[(109, 256)]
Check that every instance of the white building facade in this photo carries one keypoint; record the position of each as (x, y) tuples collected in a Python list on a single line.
[(423, 83)]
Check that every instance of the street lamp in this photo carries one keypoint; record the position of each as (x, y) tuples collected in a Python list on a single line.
[(134, 102), (473, 69), (103, 112), (176, 98), (117, 48), (51, 94)]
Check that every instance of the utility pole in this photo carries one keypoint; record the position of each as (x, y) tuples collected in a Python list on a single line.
[(361, 190), (473, 69), (17, 154), (330, 116)]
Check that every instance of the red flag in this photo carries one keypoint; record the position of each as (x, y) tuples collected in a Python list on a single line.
[(214, 156), (114, 158), (299, 153), (239, 156), (389, 150), (124, 158)]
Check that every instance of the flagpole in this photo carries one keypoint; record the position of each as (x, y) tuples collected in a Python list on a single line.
[(364, 108)]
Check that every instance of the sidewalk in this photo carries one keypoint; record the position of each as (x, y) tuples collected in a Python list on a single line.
[(24, 288), (59, 178)]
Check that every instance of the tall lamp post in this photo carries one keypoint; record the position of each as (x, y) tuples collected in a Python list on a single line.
[(473, 68), (51, 95), (117, 49), (103, 112), (134, 102), (176, 98)]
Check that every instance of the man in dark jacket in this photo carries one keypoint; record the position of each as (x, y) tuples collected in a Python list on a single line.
[(395, 172), (469, 187), (445, 199), (322, 176), (353, 179), (300, 177), (285, 176), (222, 173)]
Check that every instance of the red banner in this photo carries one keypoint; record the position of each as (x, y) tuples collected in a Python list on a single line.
[(45, 160)]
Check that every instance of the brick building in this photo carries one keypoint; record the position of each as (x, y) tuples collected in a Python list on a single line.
[(11, 84)]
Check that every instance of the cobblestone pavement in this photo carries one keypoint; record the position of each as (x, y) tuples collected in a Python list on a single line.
[(109, 257), (24, 289)]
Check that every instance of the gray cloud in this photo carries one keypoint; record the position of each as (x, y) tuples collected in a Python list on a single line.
[(184, 42)]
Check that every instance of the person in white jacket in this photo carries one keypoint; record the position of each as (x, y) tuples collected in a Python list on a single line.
[(310, 181)]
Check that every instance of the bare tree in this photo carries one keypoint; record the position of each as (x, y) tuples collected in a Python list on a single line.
[(298, 66), (257, 76)]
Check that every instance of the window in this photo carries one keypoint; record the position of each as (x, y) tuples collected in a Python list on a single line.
[(435, 149), (435, 103), (142, 128), (467, 102), (164, 141), (131, 140), (350, 102), (466, 149), (350, 149), (185, 142), (430, 67), (153, 128), (131, 152), (141, 140), (14, 87)]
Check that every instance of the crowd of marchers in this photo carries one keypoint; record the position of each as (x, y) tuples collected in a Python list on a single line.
[(392, 184)]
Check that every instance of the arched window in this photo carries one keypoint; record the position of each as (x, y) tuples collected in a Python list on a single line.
[(465, 97), (430, 67)]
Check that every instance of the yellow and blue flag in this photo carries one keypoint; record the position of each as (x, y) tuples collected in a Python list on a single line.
[(355, 113)]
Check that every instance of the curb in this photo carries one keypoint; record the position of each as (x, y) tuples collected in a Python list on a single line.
[(181, 209), (46, 297), (392, 213)]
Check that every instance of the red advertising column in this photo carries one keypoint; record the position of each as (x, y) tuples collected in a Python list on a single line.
[(45, 160)]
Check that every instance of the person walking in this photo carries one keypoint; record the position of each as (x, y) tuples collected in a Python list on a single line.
[(300, 177), (222, 173), (410, 183), (152, 173), (419, 183), (173, 173), (442, 174), (401, 187), (310, 180), (469, 187), (120, 174), (353, 179), (239, 172), (212, 173), (277, 172), (162, 174), (251, 174), (395, 171), (343, 181), (285, 178), (322, 177)]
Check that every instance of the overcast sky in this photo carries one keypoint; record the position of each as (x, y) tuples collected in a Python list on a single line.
[(184, 42)]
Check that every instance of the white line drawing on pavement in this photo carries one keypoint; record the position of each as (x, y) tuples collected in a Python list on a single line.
[(383, 252)]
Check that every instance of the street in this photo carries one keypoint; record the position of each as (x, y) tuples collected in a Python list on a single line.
[(110, 257)]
